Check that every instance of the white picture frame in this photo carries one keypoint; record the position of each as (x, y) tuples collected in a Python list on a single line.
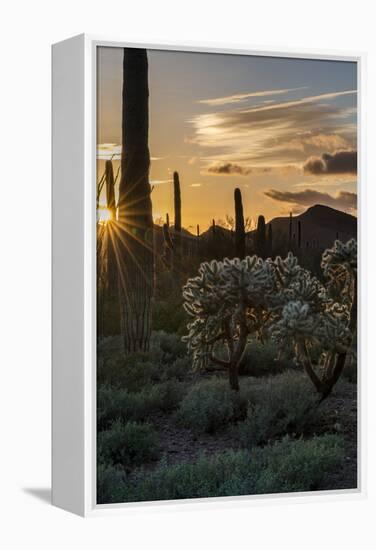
[(74, 278)]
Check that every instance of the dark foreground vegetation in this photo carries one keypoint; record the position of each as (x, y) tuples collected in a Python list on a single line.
[(167, 432)]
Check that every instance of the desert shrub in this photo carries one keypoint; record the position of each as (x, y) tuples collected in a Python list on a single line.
[(299, 465), (168, 395), (114, 403), (127, 444), (117, 404), (350, 372), (222, 474), (279, 405), (169, 316), (133, 372), (262, 360), (180, 369), (167, 346), (286, 466), (167, 359), (210, 405), (110, 483)]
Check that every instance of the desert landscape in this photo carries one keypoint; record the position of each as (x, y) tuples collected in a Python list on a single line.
[(226, 279)]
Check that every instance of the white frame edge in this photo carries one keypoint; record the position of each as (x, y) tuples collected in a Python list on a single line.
[(74, 407)]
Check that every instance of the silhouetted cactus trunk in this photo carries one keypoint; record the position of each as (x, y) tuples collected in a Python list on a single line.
[(111, 318), (299, 234), (261, 237), (290, 229), (177, 256), (239, 225), (135, 207), (270, 240), (112, 274), (110, 189)]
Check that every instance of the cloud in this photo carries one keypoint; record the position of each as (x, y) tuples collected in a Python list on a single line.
[(228, 168), (278, 134), (342, 200), (159, 182), (109, 151), (195, 185), (236, 98), (112, 151), (340, 162)]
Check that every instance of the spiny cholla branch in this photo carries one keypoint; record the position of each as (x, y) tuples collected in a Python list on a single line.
[(232, 299)]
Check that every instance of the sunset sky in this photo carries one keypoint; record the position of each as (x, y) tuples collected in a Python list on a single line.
[(282, 130)]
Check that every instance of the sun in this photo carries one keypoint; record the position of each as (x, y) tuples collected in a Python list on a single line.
[(103, 214)]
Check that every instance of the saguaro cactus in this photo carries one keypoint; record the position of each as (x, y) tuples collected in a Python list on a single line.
[(299, 234), (177, 226), (110, 189), (112, 274), (135, 208), (270, 239), (290, 228), (239, 225), (261, 237)]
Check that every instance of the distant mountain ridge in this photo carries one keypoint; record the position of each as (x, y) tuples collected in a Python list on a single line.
[(320, 225)]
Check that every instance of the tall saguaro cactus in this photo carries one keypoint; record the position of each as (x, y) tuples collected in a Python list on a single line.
[(177, 225), (270, 239), (135, 207), (112, 274), (110, 189), (261, 237), (239, 225), (299, 234)]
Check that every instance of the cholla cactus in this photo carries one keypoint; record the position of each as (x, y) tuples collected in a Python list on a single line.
[(339, 265), (231, 300), (226, 301), (310, 315), (342, 256)]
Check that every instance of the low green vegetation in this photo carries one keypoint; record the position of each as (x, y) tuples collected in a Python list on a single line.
[(115, 403), (285, 466), (275, 435), (127, 444), (261, 360), (209, 405), (279, 405), (167, 360)]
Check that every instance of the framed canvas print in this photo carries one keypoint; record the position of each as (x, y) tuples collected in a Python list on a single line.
[(206, 295)]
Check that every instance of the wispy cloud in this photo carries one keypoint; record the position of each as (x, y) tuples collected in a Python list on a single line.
[(342, 200), (236, 98), (160, 182), (109, 151), (279, 134), (112, 151), (225, 168)]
